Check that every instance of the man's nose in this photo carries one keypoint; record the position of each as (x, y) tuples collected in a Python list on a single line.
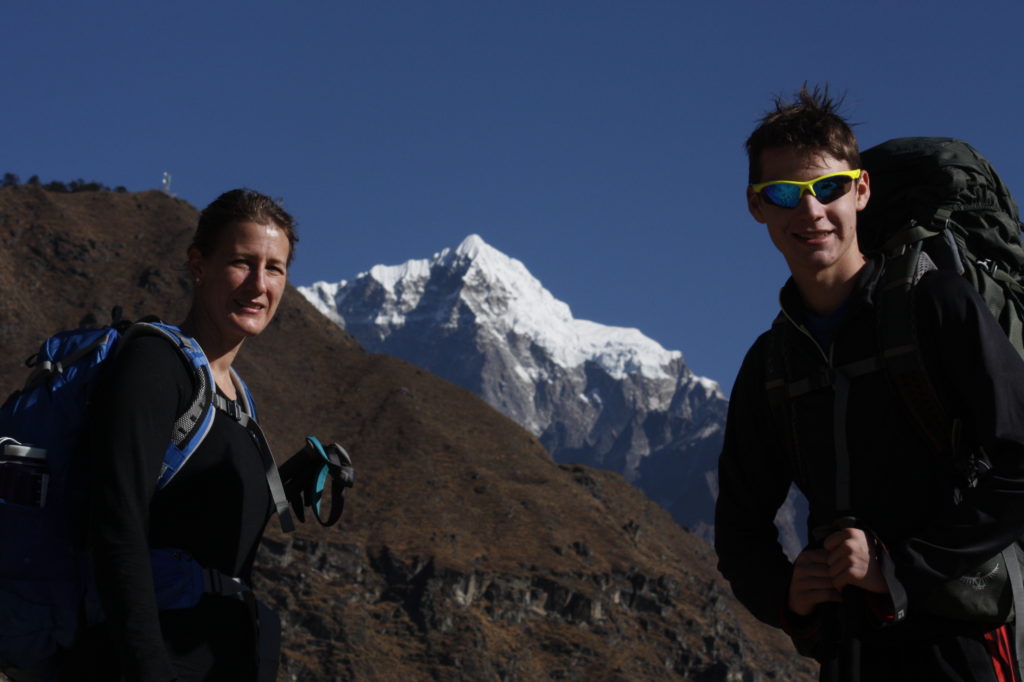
[(810, 205)]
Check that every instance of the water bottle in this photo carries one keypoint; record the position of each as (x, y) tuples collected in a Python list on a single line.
[(24, 474)]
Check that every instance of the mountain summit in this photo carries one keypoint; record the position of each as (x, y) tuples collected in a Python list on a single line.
[(596, 394)]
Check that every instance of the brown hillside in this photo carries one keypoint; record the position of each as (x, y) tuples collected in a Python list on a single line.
[(465, 553)]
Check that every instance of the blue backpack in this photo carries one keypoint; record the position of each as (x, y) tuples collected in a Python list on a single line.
[(47, 590)]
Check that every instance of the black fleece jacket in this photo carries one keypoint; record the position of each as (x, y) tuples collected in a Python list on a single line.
[(933, 526)]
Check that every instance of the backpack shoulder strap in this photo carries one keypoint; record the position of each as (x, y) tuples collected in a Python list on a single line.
[(243, 391), (777, 390), (900, 352), (194, 424)]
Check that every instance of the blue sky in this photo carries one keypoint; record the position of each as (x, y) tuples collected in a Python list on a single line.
[(599, 142)]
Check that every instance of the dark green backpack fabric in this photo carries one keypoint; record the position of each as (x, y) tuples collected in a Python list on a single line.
[(940, 196)]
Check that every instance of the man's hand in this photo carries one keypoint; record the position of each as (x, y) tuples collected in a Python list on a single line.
[(851, 561), (820, 575), (811, 583)]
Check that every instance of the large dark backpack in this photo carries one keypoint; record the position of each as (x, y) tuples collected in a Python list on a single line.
[(46, 586), (939, 196), (937, 203)]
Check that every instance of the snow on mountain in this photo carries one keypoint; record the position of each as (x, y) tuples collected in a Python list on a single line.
[(500, 290), (601, 395)]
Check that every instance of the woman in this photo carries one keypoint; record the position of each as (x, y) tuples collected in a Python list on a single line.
[(216, 507)]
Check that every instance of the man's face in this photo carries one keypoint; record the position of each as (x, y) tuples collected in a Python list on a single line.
[(818, 241)]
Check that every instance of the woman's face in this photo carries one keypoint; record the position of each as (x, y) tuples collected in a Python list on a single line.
[(239, 284)]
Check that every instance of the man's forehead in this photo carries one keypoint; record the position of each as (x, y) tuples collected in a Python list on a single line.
[(792, 163)]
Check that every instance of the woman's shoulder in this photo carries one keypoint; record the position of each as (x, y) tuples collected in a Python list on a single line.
[(151, 364), (150, 349)]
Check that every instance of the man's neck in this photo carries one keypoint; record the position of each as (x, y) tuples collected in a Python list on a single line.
[(824, 291)]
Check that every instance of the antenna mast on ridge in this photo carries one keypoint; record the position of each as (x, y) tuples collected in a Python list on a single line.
[(165, 184)]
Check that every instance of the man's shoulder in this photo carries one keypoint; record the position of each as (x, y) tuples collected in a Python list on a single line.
[(943, 283), (943, 295), (760, 346), (752, 371)]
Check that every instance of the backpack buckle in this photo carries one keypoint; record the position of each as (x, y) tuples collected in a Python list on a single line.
[(232, 410)]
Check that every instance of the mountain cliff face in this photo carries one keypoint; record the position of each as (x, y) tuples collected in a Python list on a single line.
[(604, 396), (464, 553)]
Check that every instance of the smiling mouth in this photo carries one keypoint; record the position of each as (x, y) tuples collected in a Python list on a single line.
[(250, 307), (813, 236)]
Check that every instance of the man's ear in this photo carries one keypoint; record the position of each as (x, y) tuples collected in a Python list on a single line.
[(754, 206), (863, 190)]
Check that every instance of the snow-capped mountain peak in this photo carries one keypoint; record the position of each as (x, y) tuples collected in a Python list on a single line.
[(593, 393), (473, 246), (503, 297)]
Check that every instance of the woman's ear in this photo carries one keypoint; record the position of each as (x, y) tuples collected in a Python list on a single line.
[(195, 264)]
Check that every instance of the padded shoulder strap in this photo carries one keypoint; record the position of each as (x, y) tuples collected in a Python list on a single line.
[(243, 391), (898, 340), (191, 427), (777, 391)]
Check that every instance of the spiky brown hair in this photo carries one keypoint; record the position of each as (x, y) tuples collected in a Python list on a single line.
[(809, 123)]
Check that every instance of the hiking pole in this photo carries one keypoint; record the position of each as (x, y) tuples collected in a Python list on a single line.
[(849, 637), (849, 620), (846, 614)]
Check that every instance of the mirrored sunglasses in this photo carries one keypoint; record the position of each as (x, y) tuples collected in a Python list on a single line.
[(826, 189)]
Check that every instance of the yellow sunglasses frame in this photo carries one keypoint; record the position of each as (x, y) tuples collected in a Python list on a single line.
[(805, 187)]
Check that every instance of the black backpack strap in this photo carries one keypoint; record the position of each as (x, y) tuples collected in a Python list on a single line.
[(901, 355), (240, 414), (777, 390)]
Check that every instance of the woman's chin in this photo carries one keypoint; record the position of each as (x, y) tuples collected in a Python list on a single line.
[(250, 325)]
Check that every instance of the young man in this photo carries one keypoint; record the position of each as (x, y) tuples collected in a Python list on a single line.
[(891, 520)]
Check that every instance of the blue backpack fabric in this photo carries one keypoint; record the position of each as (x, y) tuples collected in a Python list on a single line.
[(46, 586)]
